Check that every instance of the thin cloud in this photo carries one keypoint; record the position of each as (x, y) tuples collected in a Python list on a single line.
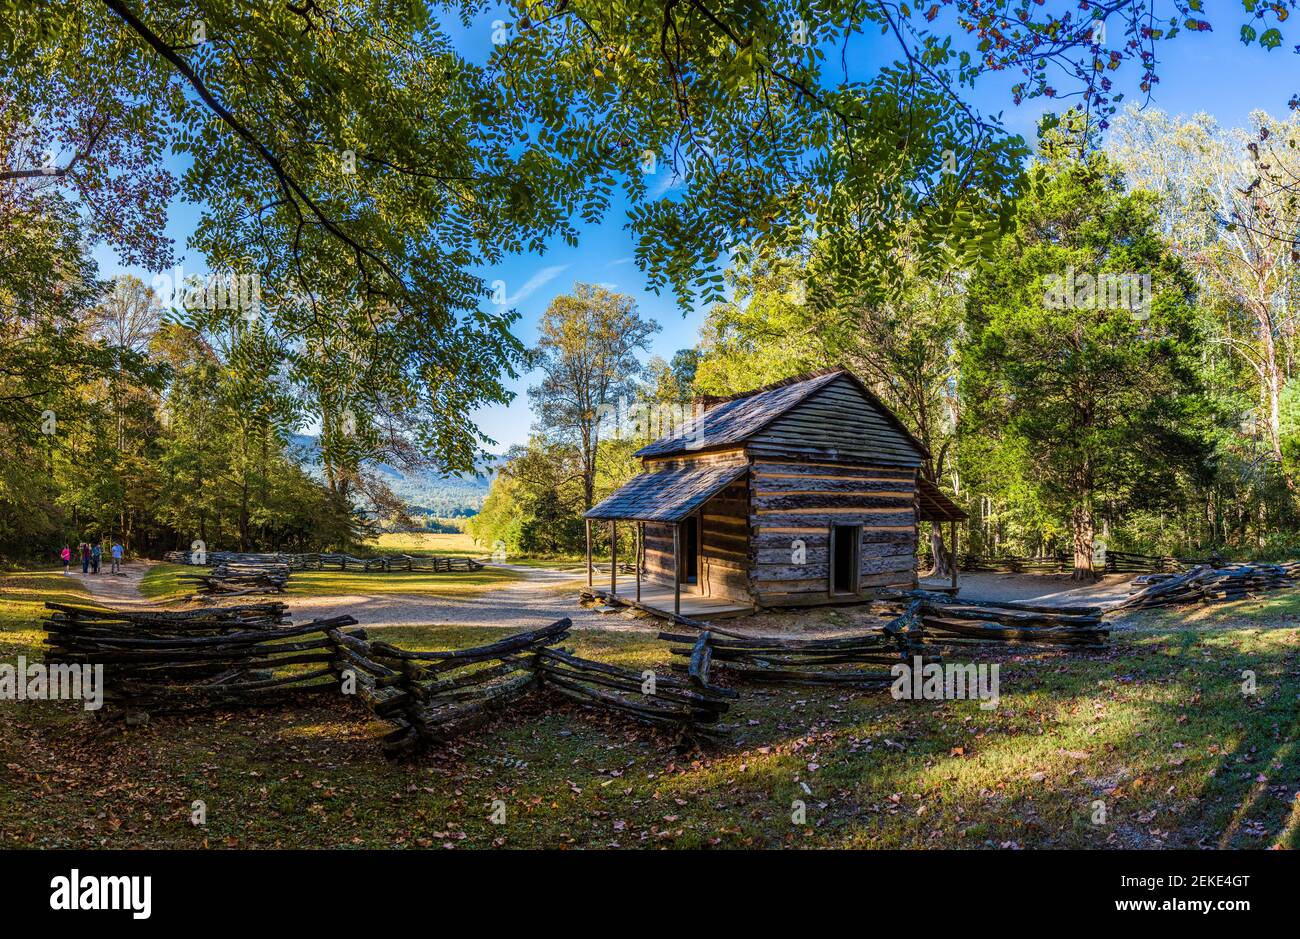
[(536, 282)]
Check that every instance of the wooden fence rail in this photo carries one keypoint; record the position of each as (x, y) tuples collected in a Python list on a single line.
[(1117, 562), (328, 562), (166, 662), (953, 623), (778, 660), (233, 579), (1210, 585), (160, 661)]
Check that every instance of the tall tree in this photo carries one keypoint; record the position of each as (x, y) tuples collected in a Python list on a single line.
[(395, 166), (1081, 376), (1229, 203), (587, 349)]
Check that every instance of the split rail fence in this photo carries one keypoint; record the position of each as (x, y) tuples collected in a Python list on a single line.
[(169, 662), (1117, 562), (1204, 584), (332, 562), (838, 661)]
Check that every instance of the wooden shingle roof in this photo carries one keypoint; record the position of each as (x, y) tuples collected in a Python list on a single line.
[(740, 417), (667, 495)]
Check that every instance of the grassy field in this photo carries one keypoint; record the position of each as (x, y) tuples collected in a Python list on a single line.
[(22, 605), (161, 583), (1156, 730), (425, 544), (426, 583), (561, 563)]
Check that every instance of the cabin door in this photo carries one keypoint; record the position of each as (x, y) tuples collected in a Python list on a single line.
[(690, 557), (845, 552)]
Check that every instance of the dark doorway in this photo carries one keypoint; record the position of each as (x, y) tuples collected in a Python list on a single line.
[(844, 559), (690, 550)]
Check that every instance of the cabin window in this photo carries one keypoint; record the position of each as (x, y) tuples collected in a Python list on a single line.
[(845, 541), (690, 550)]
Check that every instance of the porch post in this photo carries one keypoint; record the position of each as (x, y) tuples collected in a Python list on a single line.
[(677, 568), (952, 531), (613, 557), (588, 521), (640, 537)]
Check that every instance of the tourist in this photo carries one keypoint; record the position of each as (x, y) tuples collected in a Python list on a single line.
[(116, 551), (66, 554), (95, 554), (85, 557)]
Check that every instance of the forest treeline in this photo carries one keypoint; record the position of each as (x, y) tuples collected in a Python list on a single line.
[(359, 172), (1120, 371), (126, 421)]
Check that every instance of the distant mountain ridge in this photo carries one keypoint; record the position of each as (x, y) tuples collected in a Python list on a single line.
[(425, 492)]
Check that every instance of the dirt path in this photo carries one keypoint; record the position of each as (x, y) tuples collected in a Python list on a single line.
[(544, 595), (541, 597), (118, 591), (1049, 589)]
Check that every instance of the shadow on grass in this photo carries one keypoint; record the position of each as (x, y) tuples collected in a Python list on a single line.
[(1156, 729)]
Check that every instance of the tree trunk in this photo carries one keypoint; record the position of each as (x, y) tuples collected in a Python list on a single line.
[(1270, 374), (589, 478), (1084, 531), (243, 515), (942, 566)]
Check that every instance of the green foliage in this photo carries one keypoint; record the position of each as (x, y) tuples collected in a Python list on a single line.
[(1090, 398), (154, 438), (367, 172), (1290, 427), (765, 333), (56, 375), (769, 140), (587, 353), (535, 504)]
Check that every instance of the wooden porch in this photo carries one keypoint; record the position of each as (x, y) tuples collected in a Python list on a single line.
[(676, 580), (660, 599)]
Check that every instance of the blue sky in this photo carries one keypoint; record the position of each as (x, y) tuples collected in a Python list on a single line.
[(1209, 72)]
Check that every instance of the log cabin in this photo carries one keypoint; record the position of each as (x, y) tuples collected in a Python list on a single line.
[(804, 492)]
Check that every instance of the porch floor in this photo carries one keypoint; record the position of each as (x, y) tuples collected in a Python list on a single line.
[(660, 597)]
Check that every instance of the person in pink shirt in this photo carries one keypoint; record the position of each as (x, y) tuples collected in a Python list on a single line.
[(66, 554)]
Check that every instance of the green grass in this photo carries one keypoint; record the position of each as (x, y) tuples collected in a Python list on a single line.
[(161, 582), (22, 606), (1156, 728), (426, 583), (557, 563), (424, 544)]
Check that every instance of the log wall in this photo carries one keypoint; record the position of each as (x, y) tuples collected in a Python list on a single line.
[(724, 547), (724, 534), (659, 552), (799, 502), (724, 544)]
